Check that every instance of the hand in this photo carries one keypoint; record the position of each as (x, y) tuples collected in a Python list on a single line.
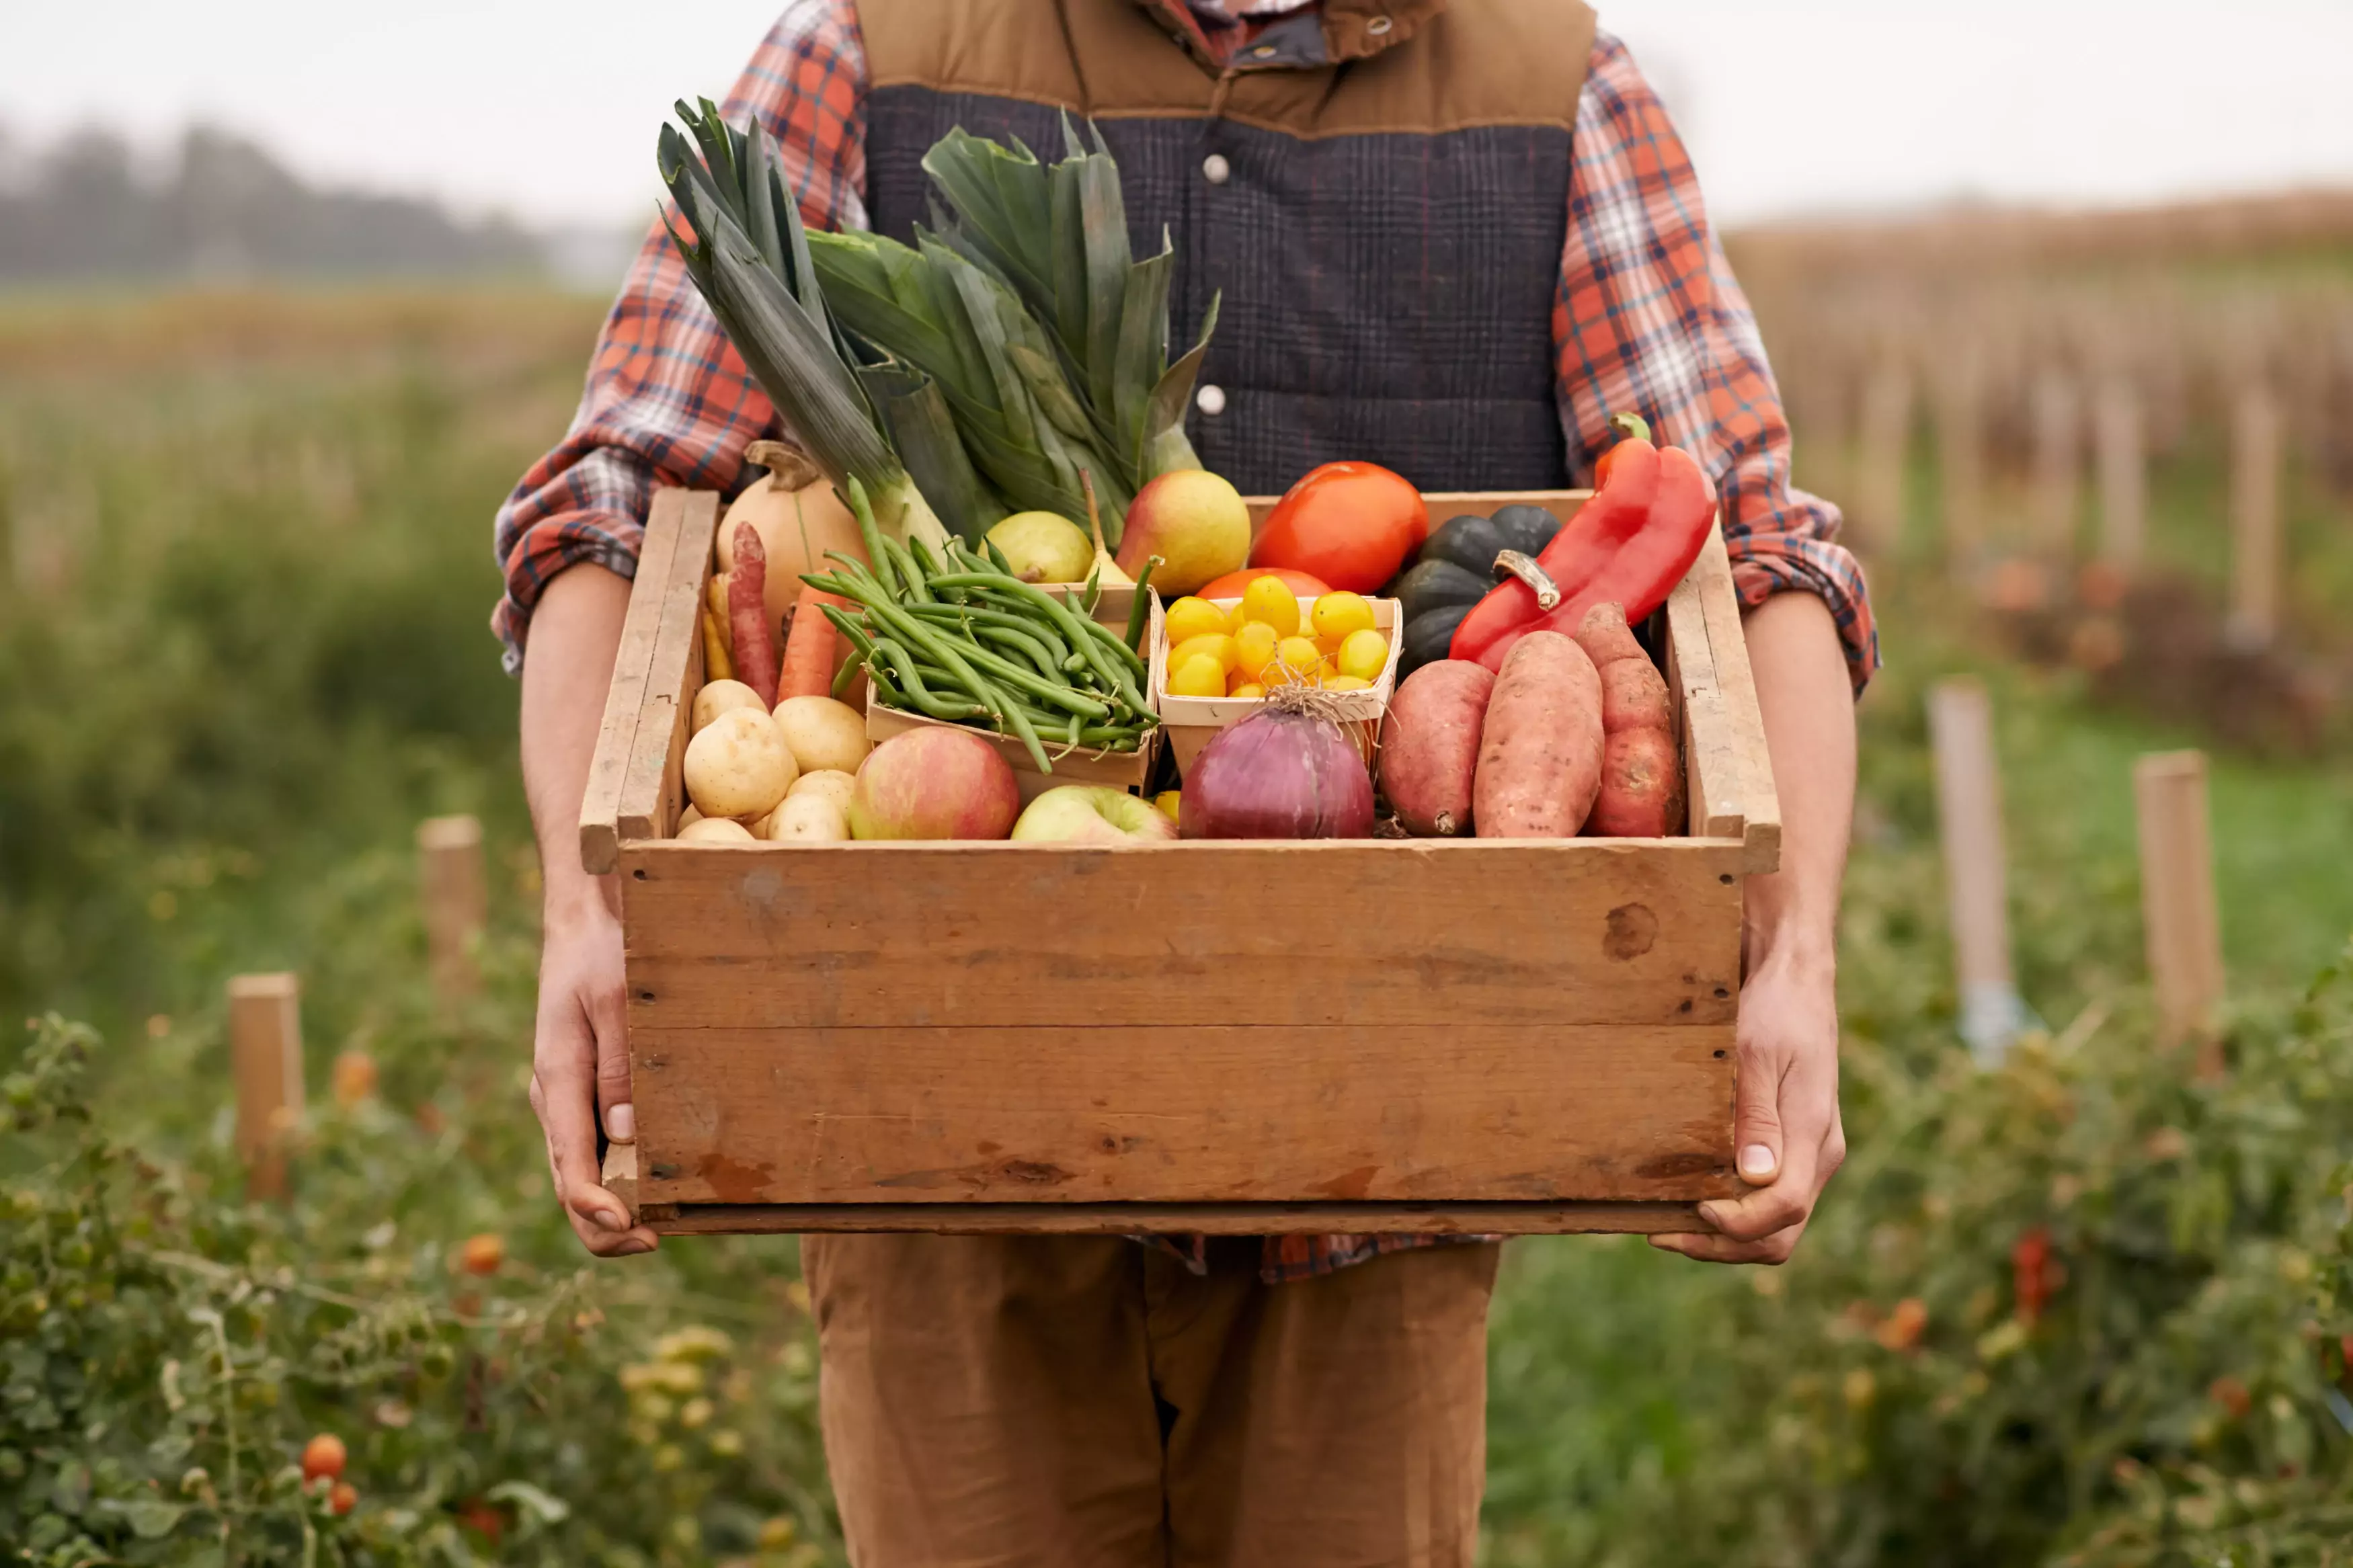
[(1787, 1126), (580, 1059)]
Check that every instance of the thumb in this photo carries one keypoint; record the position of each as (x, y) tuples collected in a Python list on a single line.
[(1756, 1126), (606, 1020)]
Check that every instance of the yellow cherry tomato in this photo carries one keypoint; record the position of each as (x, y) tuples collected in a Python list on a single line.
[(1337, 615), (1215, 645), (1254, 647), (1363, 653), (1168, 800), (1270, 600), (1238, 617), (1297, 662), (1246, 688), (1199, 676), (1347, 683), (1190, 618)]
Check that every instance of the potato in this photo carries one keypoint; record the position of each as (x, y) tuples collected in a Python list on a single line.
[(814, 819), (826, 736), (827, 783), (740, 766), (690, 816), (1429, 747), (1540, 751), (1641, 775), (719, 696), (715, 830)]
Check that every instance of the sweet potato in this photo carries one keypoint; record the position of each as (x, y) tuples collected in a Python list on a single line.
[(1429, 748), (1641, 776), (1540, 750)]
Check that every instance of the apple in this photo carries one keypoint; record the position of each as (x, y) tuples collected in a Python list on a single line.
[(934, 782), (1044, 547), (1091, 814), (1196, 525)]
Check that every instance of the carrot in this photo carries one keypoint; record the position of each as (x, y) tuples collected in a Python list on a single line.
[(748, 613), (810, 646)]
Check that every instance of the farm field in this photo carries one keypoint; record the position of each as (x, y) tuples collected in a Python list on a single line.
[(2077, 1309)]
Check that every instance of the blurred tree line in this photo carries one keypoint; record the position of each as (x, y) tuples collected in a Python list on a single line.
[(89, 206)]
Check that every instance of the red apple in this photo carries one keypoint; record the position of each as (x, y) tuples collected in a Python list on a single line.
[(935, 782), (1196, 525)]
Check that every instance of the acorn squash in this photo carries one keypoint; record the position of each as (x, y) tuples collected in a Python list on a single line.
[(1453, 570)]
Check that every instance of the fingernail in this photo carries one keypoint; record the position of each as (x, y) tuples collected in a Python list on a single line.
[(621, 1124), (1755, 1161), (631, 1248), (609, 1220)]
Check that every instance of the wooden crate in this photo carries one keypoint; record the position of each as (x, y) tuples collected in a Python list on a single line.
[(1447, 1036)]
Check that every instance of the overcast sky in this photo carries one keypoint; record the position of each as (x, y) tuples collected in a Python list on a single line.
[(549, 111)]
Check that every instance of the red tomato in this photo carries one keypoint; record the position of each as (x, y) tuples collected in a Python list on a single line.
[(322, 1456), (344, 1497), (1352, 524), (1231, 584)]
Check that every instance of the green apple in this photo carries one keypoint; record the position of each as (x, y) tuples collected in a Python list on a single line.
[(1044, 547), (1091, 814)]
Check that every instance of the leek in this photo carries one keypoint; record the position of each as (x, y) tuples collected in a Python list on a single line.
[(1057, 237), (750, 257), (924, 312)]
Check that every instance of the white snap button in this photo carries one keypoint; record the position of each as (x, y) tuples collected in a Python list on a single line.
[(1263, 52), (1210, 400), (1377, 25), (1215, 169)]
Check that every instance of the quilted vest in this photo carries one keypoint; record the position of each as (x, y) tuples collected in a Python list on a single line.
[(1378, 195)]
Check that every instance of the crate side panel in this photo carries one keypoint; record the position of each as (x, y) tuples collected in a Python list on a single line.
[(1184, 1114), (1181, 1219), (1371, 933)]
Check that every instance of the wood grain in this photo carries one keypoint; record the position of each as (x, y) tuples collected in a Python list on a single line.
[(649, 788), (1368, 931), (1198, 1219), (1727, 640), (1711, 764), (265, 1038), (601, 807), (1215, 1114)]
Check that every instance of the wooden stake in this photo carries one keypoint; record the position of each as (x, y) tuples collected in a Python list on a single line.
[(2256, 446), (265, 1032), (1968, 811), (450, 866), (2124, 476), (2057, 467), (1879, 469), (2177, 893), (1960, 460)]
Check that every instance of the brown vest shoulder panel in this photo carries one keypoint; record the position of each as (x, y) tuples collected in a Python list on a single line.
[(1475, 63)]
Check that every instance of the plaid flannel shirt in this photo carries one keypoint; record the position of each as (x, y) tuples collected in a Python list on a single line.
[(1646, 315)]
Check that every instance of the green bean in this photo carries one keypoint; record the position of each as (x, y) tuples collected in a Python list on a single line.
[(986, 616), (995, 559), (1029, 648), (1093, 595), (1139, 613), (918, 590), (1020, 718), (938, 707), (1088, 636), (886, 616)]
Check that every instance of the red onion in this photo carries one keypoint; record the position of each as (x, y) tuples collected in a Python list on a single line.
[(1287, 771)]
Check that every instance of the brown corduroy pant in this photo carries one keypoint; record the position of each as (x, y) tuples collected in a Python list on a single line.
[(1069, 1402)]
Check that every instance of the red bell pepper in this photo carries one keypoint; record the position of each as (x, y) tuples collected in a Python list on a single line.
[(1630, 544)]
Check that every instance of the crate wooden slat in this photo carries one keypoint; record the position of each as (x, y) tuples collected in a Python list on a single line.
[(1371, 1035)]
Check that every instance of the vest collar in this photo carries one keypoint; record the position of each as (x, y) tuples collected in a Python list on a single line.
[(1337, 31)]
